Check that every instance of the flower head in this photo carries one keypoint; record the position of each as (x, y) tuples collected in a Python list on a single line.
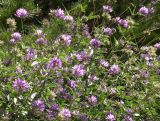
[(144, 11), (95, 43), (16, 36), (114, 70), (68, 18), (144, 73), (65, 114), (12, 23), (128, 118), (86, 31), (30, 54), (92, 100), (82, 56), (152, 10), (21, 13), (54, 107), (53, 111), (107, 8), (122, 22), (110, 116), (108, 31), (78, 70), (55, 63), (104, 63), (38, 104), (39, 33), (41, 41), (59, 13), (157, 45), (83, 117), (66, 39), (72, 84), (20, 85)]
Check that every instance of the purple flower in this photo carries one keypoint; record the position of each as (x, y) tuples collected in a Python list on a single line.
[(19, 69), (38, 104), (154, 1), (13, 41), (78, 70), (95, 43), (66, 39), (53, 111), (110, 117), (82, 56), (144, 73), (122, 22), (157, 45), (117, 19), (20, 85), (59, 13), (30, 54), (107, 8), (145, 56), (68, 18), (144, 11), (152, 10), (92, 100), (93, 77), (86, 31), (108, 31), (16, 37), (54, 107), (104, 63), (83, 117), (21, 13), (64, 94), (65, 114), (55, 63), (72, 84), (41, 41), (128, 118), (114, 70)]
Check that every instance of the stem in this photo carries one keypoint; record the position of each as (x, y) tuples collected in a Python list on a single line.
[(86, 86), (15, 55), (22, 26)]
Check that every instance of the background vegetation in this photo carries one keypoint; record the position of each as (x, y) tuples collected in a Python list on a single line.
[(130, 94)]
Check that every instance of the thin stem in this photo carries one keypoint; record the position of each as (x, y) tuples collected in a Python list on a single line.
[(22, 26)]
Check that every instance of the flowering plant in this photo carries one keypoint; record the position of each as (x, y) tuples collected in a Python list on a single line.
[(101, 66)]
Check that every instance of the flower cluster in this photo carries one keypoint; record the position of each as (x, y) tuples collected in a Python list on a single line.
[(15, 37), (21, 13), (30, 54), (95, 43), (41, 40), (59, 13), (55, 63), (20, 85), (78, 70), (39, 105), (107, 8), (146, 11), (108, 31), (122, 22), (95, 67), (66, 39)]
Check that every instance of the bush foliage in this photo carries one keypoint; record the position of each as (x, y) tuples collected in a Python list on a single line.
[(90, 60)]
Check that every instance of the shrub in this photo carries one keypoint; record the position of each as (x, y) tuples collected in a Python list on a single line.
[(81, 64)]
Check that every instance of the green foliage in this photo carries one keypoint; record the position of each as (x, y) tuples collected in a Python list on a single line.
[(134, 87)]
